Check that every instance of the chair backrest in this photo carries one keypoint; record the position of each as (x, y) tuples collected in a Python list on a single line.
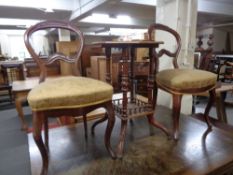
[(174, 54), (48, 26)]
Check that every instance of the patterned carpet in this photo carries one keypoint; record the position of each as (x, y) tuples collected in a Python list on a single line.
[(142, 156)]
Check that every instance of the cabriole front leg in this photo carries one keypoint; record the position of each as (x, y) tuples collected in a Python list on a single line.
[(110, 125), (38, 119)]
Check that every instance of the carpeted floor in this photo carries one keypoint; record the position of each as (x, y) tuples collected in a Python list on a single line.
[(143, 155)]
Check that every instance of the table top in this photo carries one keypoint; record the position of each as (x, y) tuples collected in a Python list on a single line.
[(11, 62), (136, 43), (25, 85), (224, 57)]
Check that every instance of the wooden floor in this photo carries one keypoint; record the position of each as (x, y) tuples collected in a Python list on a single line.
[(148, 151)]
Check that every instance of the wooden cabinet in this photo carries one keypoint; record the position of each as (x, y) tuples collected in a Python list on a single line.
[(88, 51), (11, 71), (141, 71), (32, 69), (68, 48), (98, 69)]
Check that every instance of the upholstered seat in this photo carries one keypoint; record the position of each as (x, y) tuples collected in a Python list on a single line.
[(69, 92), (185, 79)]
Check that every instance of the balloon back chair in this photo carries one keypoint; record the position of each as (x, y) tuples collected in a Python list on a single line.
[(67, 95), (179, 81)]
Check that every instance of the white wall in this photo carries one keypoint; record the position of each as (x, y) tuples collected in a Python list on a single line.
[(12, 45), (4, 42), (219, 40), (17, 47)]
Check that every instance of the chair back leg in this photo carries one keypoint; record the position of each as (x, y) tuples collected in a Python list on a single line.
[(176, 114)]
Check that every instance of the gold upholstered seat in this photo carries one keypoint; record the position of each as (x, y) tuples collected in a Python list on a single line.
[(185, 79), (69, 92), (67, 96), (181, 81)]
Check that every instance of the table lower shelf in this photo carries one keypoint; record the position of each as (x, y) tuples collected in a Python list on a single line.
[(135, 108)]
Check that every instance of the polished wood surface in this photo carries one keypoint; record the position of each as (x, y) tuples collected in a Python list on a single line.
[(130, 107), (25, 85), (199, 151), (139, 43)]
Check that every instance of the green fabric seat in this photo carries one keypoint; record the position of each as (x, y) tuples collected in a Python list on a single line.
[(69, 92), (184, 79)]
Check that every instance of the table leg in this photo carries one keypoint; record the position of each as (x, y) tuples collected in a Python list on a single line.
[(120, 146), (18, 104), (108, 72), (124, 88)]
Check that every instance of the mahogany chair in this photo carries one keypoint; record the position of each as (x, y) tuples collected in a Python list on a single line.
[(68, 95), (178, 81), (225, 71)]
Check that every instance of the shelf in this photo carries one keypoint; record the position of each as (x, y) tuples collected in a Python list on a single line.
[(135, 108)]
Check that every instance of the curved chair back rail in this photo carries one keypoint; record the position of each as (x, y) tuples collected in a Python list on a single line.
[(57, 56), (174, 54)]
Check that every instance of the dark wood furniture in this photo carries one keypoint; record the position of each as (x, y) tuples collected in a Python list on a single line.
[(10, 71), (129, 105), (88, 51), (32, 69), (221, 64), (220, 101), (198, 152), (178, 82), (141, 71), (65, 96), (224, 65)]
